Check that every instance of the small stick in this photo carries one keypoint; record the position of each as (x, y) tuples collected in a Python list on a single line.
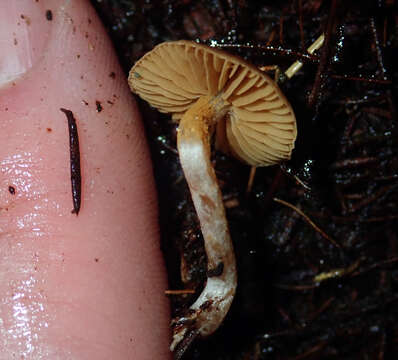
[(380, 356), (75, 173), (376, 265), (309, 221), (359, 78), (268, 68), (377, 111), (296, 66), (295, 287), (315, 349), (289, 173), (373, 197), (281, 30), (301, 27), (314, 97), (270, 38), (322, 308), (335, 273), (385, 32), (359, 219), (271, 50), (251, 180), (382, 67), (377, 47), (353, 163), (179, 292)]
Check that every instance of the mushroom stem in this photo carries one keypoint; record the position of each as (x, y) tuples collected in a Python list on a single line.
[(193, 141)]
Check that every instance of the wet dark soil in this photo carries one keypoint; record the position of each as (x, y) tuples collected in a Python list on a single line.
[(316, 238)]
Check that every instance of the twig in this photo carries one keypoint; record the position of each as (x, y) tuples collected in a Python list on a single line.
[(385, 31), (377, 111), (276, 182), (371, 198), (380, 356), (270, 38), (360, 78), (285, 315), (281, 30), (364, 100), (296, 66), (322, 308), (347, 219), (309, 221), (179, 292), (382, 67), (301, 27), (312, 351), (348, 131), (251, 180), (272, 50), (334, 273), (353, 163), (300, 182), (169, 148), (376, 265), (377, 47), (295, 287), (319, 78)]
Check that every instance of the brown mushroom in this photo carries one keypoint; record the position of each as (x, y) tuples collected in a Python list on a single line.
[(212, 92)]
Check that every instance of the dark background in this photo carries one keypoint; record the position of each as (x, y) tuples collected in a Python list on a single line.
[(343, 177)]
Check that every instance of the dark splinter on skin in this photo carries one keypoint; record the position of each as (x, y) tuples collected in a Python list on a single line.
[(75, 173), (11, 189), (49, 15), (98, 105)]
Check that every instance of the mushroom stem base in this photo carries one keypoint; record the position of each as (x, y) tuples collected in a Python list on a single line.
[(193, 141)]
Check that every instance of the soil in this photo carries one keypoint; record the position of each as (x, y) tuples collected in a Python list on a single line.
[(315, 238)]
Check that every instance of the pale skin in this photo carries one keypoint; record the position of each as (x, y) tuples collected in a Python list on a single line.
[(74, 287)]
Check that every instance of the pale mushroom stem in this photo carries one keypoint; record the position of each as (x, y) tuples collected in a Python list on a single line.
[(193, 141)]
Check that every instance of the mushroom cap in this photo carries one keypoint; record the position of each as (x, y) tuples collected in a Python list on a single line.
[(260, 126)]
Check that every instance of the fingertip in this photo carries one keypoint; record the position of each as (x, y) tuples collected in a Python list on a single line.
[(77, 70)]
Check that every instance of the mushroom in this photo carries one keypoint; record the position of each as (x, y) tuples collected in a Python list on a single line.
[(208, 92)]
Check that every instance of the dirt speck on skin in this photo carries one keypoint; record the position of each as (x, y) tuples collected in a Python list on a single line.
[(98, 106), (49, 15), (11, 190), (26, 19)]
